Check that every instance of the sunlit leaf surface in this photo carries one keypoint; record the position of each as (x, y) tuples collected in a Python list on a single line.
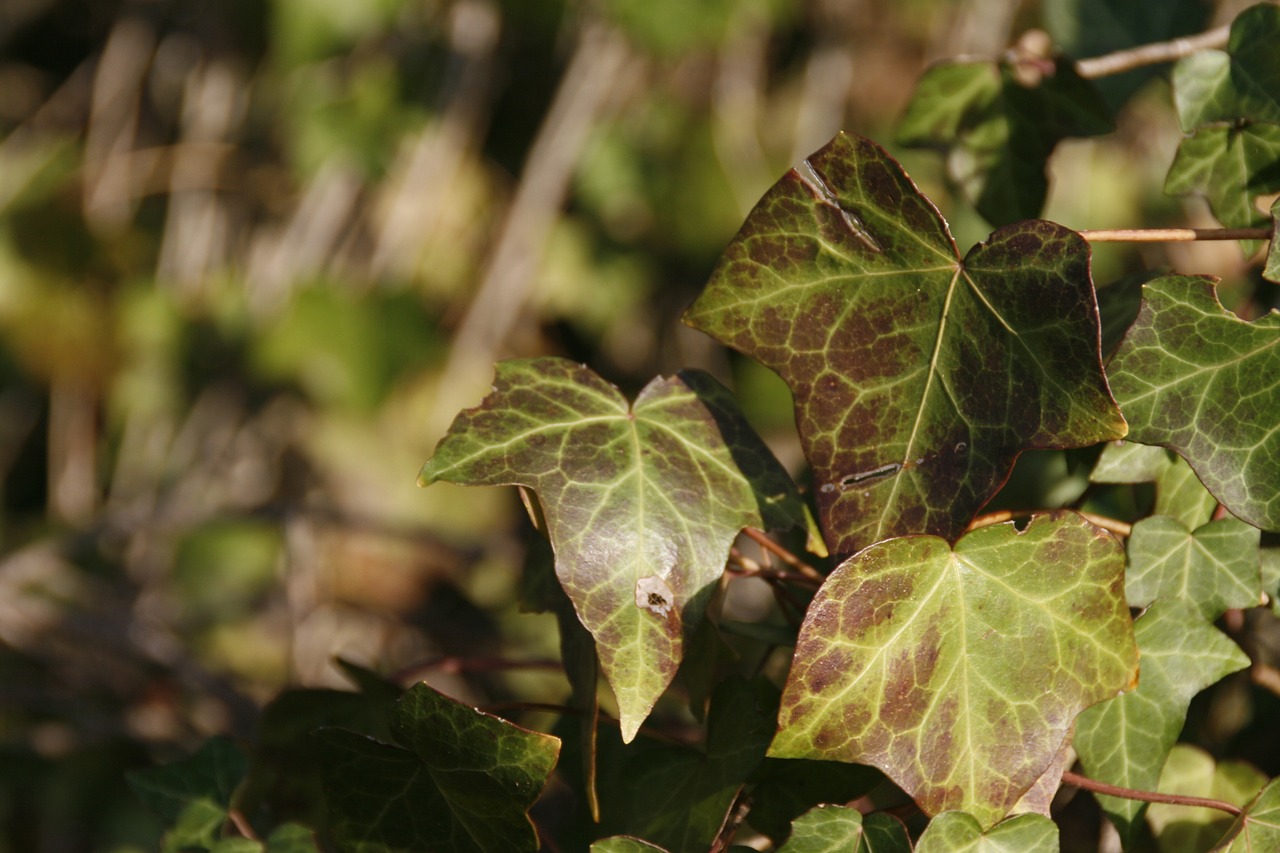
[(999, 131), (1242, 82), (1125, 741), (624, 844), (1212, 569), (841, 829), (464, 780), (1259, 827), (959, 672), (957, 832), (1271, 269), (918, 377), (642, 501), (1193, 377), (1231, 167)]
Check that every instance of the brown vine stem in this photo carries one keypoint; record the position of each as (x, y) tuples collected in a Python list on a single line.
[(1115, 525), (1147, 796), (1152, 54), (743, 565), (1172, 235), (783, 554)]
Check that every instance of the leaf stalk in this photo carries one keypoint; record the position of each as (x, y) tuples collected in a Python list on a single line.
[(1171, 235), (1097, 787)]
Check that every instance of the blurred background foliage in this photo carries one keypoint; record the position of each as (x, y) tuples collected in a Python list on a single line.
[(255, 255)]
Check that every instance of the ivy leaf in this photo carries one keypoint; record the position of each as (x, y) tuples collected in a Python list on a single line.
[(1212, 569), (789, 788), (918, 377), (193, 796), (959, 671), (1271, 268), (1259, 827), (841, 829), (1192, 772), (1231, 167), (999, 130), (678, 796), (1179, 493), (642, 502), (1242, 82), (624, 844), (464, 782), (1193, 377), (1125, 741), (957, 832)]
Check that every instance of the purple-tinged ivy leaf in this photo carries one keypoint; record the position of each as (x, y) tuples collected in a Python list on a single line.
[(958, 672), (1195, 378), (918, 376), (642, 502)]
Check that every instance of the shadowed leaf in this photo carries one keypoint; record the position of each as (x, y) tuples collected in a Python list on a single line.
[(918, 377), (957, 832), (1231, 167), (1179, 493), (1192, 772), (959, 671), (642, 502), (1259, 827), (465, 781), (1193, 377), (788, 789), (999, 131), (1212, 569), (1242, 82), (624, 844), (1125, 741), (841, 829)]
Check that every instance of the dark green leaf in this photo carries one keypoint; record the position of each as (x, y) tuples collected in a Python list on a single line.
[(1125, 741), (1193, 377), (1231, 167), (1241, 83), (624, 844), (840, 829), (957, 832), (1190, 771), (678, 796), (788, 788), (642, 502), (1259, 827), (1271, 269), (958, 672), (1212, 569), (918, 377), (193, 796), (1179, 494), (465, 782), (999, 131)]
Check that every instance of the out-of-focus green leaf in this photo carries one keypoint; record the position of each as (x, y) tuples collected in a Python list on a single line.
[(1192, 772), (1125, 741), (624, 844), (999, 131), (1193, 377), (464, 783), (1212, 569), (642, 502), (841, 829), (927, 662), (678, 796), (788, 788), (958, 832), (1259, 827), (1242, 82), (1231, 167), (193, 796), (1179, 493), (918, 376)]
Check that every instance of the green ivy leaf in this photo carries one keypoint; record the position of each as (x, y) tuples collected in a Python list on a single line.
[(957, 832), (642, 502), (841, 829), (1193, 377), (788, 788), (678, 796), (1241, 83), (1213, 569), (1125, 741), (624, 844), (1271, 268), (959, 672), (1179, 493), (465, 782), (193, 795), (918, 377), (1259, 827), (1192, 772), (1231, 167), (999, 131)]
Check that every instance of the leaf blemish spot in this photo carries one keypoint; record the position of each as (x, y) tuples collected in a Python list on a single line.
[(654, 595)]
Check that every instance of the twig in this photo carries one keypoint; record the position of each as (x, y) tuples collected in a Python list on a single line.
[(1115, 525), (1147, 796), (747, 567), (784, 555), (1172, 235), (1152, 54)]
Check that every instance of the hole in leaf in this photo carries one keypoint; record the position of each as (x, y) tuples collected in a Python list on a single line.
[(867, 476)]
